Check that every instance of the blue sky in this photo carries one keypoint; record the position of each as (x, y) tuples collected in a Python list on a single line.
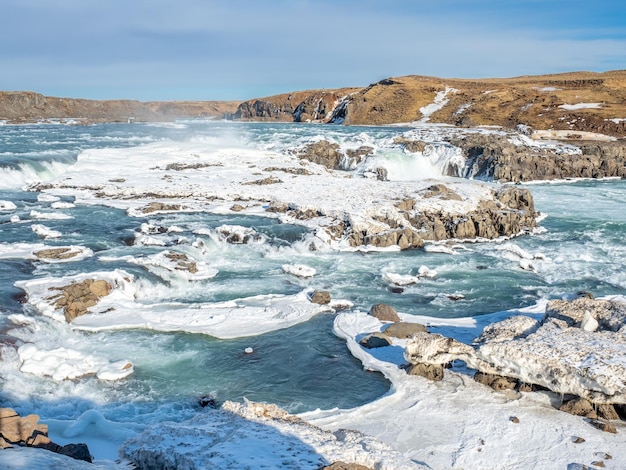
[(240, 49)]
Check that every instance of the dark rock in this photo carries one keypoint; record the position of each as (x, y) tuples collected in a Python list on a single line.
[(603, 425), (384, 312), (208, 401), (237, 208), (403, 330), (514, 419), (375, 340), (578, 440), (76, 451), (321, 297)]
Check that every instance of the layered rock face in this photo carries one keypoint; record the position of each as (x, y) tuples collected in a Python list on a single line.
[(493, 157), (302, 106)]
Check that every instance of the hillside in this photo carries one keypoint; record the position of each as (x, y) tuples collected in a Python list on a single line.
[(578, 101), (16, 107)]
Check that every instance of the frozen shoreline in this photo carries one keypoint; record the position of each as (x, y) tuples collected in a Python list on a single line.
[(458, 423)]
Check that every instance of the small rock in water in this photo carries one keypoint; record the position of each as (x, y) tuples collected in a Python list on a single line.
[(320, 297), (384, 312), (248, 350), (209, 401)]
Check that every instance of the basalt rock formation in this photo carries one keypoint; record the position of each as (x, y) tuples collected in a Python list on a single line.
[(492, 157)]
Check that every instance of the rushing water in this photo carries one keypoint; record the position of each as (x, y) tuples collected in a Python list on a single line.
[(300, 368)]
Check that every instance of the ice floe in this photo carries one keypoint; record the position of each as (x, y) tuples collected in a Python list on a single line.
[(120, 310)]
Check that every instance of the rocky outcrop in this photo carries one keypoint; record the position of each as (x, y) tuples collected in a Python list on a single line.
[(560, 353), (510, 213), (384, 312), (493, 157), (331, 156), (16, 430), (17, 107), (76, 299)]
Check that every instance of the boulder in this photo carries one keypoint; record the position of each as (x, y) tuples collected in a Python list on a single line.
[(403, 330), (323, 153), (320, 297), (497, 382), (375, 340), (432, 372), (345, 466), (384, 312)]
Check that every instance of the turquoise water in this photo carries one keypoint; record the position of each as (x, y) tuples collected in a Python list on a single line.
[(300, 368)]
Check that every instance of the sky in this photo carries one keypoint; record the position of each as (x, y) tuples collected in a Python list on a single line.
[(242, 49)]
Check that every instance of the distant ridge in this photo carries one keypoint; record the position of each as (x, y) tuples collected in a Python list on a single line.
[(28, 106)]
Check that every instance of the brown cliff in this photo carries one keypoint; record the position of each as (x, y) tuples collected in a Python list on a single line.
[(541, 102)]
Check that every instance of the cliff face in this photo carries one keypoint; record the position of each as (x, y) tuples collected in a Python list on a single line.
[(300, 106), (580, 101), (29, 107)]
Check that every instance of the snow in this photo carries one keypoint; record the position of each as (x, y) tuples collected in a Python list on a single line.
[(256, 436), (45, 232), (562, 134), (458, 423), (168, 264), (573, 107), (438, 103), (237, 318), (49, 215), (28, 458), (7, 206), (67, 364), (299, 270), (35, 252)]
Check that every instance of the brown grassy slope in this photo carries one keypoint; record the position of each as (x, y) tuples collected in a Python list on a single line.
[(507, 102), (29, 106)]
